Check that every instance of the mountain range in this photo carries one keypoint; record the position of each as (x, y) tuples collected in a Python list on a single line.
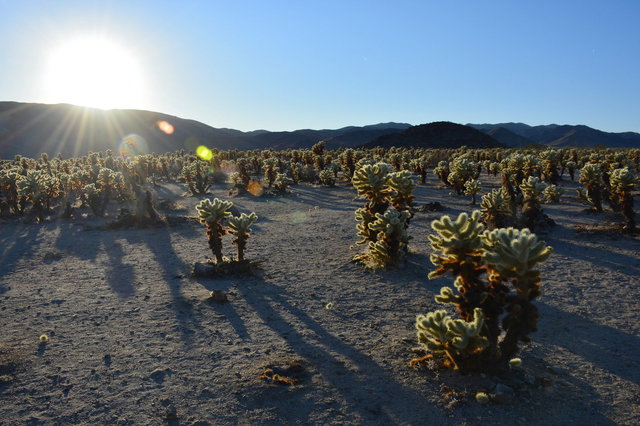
[(555, 135), (30, 129)]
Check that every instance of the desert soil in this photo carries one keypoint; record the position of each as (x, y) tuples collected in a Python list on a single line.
[(134, 339)]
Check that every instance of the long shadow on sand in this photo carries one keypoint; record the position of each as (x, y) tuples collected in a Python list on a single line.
[(120, 275), (16, 242), (610, 259), (599, 344), (386, 401), (158, 242)]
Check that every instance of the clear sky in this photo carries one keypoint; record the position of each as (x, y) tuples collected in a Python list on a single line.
[(285, 65)]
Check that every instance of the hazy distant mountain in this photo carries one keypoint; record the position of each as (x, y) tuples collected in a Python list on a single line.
[(566, 135), (508, 138), (30, 129), (363, 135), (440, 134)]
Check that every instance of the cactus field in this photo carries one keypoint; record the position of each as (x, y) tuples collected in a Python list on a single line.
[(319, 304)]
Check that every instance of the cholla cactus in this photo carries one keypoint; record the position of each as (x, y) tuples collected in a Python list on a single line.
[(309, 173), (550, 160), (512, 255), (513, 167), (591, 176), (281, 183), (571, 168), (420, 167), (442, 171), (622, 182), (240, 226), (379, 225), (457, 339), (462, 170), (240, 182), (9, 186), (472, 187), (370, 181), (391, 242), (348, 163), (334, 168), (93, 197), (212, 214), (401, 186), (270, 169), (483, 263), (532, 189), (496, 209), (494, 168), (32, 188), (458, 242), (327, 178), (552, 194), (196, 174)]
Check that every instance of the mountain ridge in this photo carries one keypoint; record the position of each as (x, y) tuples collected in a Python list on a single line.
[(32, 128), (566, 135), (439, 134)]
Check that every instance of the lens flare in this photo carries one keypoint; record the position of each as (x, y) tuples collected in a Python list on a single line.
[(132, 145), (165, 126), (254, 188), (298, 217), (205, 153)]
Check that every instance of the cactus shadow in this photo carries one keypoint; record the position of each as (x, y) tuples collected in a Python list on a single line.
[(329, 198), (76, 241), (341, 365), (606, 347), (119, 276), (173, 267), (597, 256), (225, 309), (16, 241)]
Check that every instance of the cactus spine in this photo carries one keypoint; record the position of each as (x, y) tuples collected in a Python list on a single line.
[(240, 226), (211, 214), (483, 263), (382, 227), (622, 183)]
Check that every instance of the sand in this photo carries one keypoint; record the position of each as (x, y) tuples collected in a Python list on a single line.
[(134, 339)]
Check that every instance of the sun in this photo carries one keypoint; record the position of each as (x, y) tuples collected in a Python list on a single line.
[(93, 72)]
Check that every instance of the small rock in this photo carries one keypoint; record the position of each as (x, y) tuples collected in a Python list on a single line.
[(218, 296), (171, 413), (157, 375)]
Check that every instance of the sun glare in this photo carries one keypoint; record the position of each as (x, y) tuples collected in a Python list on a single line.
[(93, 72)]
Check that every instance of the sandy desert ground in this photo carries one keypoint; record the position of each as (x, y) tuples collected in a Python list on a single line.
[(134, 339)]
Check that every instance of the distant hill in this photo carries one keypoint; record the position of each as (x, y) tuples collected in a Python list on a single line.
[(440, 134), (566, 135), (363, 135), (508, 138), (30, 129)]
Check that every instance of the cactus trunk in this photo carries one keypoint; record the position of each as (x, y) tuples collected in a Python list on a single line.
[(214, 233)]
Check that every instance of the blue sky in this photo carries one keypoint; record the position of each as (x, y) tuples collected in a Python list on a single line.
[(285, 65)]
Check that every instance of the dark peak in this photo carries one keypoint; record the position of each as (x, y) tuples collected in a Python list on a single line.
[(438, 134)]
